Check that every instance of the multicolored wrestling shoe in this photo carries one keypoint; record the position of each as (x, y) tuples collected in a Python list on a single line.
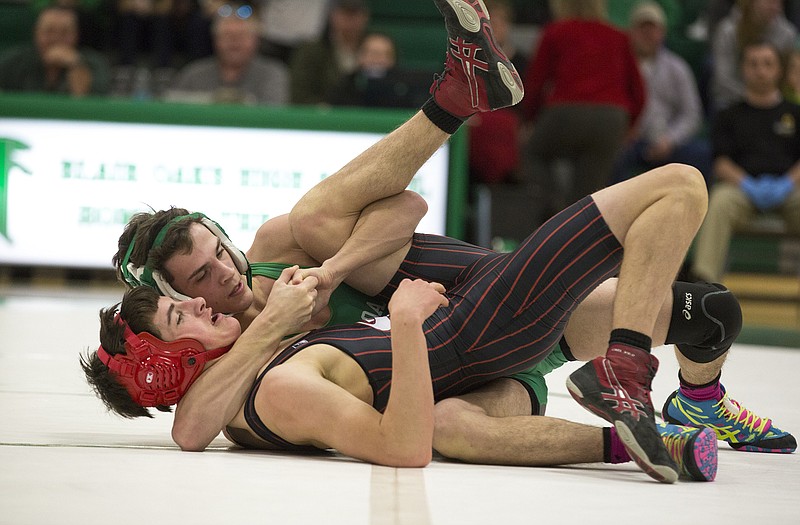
[(733, 423), (693, 449)]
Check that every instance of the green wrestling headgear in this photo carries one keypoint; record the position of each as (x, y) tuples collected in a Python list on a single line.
[(146, 275)]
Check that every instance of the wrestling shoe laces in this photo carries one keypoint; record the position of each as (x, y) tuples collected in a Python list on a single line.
[(477, 76), (741, 428), (617, 388), (693, 449)]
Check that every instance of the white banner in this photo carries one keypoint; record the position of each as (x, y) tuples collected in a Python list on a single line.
[(67, 188)]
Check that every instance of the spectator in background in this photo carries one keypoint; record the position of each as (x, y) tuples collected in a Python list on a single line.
[(93, 20), (756, 161), (749, 21), (378, 81), (54, 63), (236, 72), (316, 67), (583, 92), (673, 113), (715, 12)]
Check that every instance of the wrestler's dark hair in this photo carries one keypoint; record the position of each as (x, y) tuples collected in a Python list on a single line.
[(138, 308), (145, 226)]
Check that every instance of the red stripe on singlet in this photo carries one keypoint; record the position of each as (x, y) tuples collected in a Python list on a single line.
[(513, 350), (432, 265), (384, 387), (447, 250), (565, 268), (595, 283), (491, 286), (429, 248)]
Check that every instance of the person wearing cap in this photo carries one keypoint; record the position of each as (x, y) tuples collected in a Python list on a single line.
[(316, 67), (673, 113)]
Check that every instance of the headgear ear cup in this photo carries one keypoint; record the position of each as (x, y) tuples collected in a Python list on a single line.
[(156, 372), (238, 256)]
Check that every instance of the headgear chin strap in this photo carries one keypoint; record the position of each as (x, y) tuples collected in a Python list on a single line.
[(155, 372), (145, 275)]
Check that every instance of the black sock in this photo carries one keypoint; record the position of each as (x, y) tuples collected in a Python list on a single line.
[(631, 338), (441, 118)]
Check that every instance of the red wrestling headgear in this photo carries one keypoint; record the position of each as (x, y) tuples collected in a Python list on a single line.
[(155, 372)]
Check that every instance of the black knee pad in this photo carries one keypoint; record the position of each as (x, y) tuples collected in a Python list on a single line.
[(706, 319)]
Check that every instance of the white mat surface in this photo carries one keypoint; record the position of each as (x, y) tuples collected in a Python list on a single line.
[(64, 460)]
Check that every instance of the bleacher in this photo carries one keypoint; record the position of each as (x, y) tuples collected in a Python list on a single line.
[(764, 273)]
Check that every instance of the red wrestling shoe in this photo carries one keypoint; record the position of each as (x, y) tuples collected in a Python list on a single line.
[(477, 76), (617, 388)]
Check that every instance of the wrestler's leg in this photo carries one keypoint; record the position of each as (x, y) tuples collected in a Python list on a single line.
[(589, 329), (492, 425), (654, 217), (363, 210), (327, 215)]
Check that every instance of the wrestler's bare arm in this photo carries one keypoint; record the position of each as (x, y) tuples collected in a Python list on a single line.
[(326, 216), (298, 401), (364, 253)]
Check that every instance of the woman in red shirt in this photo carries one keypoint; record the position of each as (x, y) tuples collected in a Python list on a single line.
[(583, 93)]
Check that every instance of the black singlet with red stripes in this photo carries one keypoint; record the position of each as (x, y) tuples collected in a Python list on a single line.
[(506, 312)]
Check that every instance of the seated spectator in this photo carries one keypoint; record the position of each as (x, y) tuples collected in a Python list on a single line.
[(756, 161), (673, 113), (318, 66), (54, 63), (236, 72), (749, 21), (378, 81), (94, 23)]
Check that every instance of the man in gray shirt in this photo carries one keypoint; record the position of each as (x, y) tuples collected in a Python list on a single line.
[(673, 113), (236, 73)]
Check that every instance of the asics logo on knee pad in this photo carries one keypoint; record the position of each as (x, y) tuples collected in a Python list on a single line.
[(687, 306)]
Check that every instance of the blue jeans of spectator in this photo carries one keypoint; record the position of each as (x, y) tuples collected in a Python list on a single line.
[(631, 161)]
